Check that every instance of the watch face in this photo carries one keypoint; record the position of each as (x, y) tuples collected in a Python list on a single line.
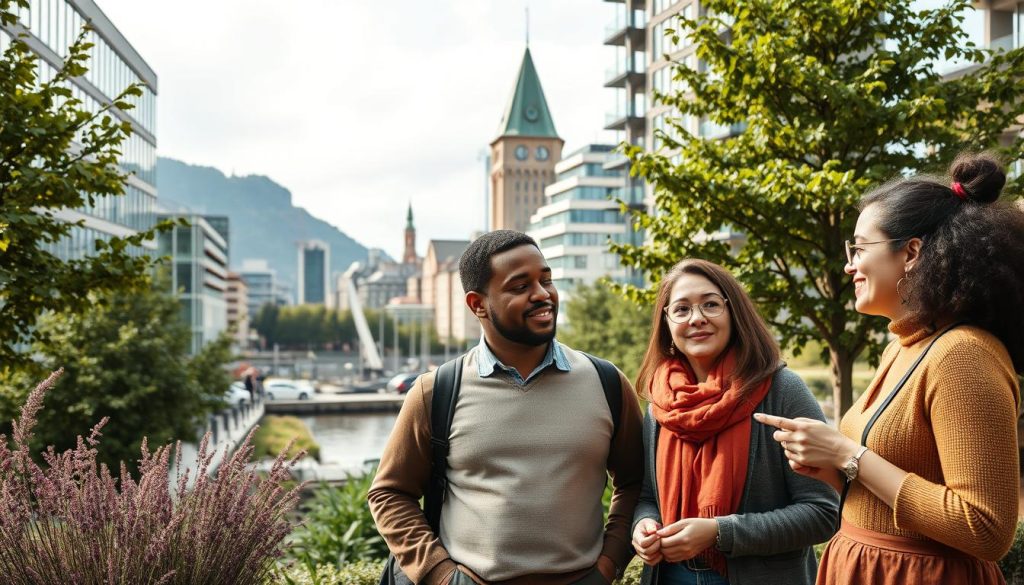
[(542, 153), (522, 152), (531, 114)]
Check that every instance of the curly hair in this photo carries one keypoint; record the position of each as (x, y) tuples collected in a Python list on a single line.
[(971, 267), (475, 264)]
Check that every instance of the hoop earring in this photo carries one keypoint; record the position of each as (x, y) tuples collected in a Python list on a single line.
[(903, 299)]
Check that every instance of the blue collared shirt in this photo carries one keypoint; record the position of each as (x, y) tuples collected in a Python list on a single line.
[(487, 363)]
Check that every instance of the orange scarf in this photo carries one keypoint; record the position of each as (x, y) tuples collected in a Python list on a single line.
[(704, 442)]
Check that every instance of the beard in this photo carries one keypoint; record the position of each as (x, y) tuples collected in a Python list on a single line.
[(522, 335)]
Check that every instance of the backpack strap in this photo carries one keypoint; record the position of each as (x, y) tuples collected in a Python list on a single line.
[(612, 385), (442, 410)]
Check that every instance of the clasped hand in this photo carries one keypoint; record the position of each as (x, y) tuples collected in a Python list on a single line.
[(679, 541)]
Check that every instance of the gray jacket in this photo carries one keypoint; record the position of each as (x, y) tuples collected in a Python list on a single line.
[(782, 513)]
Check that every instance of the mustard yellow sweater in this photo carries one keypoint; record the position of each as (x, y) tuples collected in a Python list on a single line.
[(953, 427)]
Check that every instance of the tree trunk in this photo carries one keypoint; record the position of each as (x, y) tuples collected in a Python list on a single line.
[(842, 382)]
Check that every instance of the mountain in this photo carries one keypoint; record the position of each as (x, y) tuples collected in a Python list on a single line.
[(263, 222)]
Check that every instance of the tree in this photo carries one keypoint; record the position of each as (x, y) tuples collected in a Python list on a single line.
[(825, 100), (126, 359), (602, 322), (54, 154)]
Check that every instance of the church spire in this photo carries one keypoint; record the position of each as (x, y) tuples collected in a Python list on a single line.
[(527, 111)]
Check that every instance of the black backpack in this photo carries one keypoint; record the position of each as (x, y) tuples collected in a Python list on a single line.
[(442, 409)]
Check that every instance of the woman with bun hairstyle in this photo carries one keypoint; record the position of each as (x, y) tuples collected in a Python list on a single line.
[(719, 503), (926, 459)]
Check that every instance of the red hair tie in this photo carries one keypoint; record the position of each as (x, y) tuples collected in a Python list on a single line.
[(959, 190)]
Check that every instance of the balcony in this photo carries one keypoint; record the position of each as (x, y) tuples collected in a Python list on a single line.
[(620, 121), (626, 25), (631, 71)]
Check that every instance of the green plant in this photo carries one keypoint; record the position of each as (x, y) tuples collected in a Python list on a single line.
[(338, 527), (357, 573), (276, 433), (68, 520), (126, 359), (1012, 565)]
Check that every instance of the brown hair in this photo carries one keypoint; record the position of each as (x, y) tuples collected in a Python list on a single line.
[(757, 352)]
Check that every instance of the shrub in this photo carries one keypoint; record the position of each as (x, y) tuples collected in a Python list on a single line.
[(357, 573), (338, 527), (68, 520), (283, 434), (1012, 565)]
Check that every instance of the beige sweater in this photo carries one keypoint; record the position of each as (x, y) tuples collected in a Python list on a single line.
[(527, 468), (953, 427)]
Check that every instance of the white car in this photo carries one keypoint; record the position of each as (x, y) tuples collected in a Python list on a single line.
[(282, 389), (237, 395)]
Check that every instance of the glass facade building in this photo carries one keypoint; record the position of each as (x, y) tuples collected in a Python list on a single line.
[(49, 27), (580, 217), (314, 268), (199, 274)]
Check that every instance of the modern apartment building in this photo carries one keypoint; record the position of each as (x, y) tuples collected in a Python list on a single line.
[(48, 28)]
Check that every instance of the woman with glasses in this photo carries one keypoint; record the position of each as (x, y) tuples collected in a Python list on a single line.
[(927, 457), (719, 502)]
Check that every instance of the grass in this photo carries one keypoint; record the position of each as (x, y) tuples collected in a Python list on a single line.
[(276, 431)]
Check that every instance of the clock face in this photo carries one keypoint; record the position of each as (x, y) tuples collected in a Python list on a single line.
[(543, 153), (522, 152), (531, 114)]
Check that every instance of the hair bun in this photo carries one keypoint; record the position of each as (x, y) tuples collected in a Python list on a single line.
[(981, 175)]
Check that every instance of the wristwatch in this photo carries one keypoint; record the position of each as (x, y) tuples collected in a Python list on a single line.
[(852, 466)]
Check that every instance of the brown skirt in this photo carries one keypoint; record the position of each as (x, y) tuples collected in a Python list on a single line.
[(865, 557)]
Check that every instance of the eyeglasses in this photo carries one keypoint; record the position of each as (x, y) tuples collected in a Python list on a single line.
[(853, 250), (681, 312)]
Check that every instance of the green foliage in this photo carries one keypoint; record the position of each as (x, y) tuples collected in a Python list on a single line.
[(338, 527), (127, 359), (1012, 565), (276, 432), (54, 155), (825, 100), (315, 326), (357, 573), (602, 322)]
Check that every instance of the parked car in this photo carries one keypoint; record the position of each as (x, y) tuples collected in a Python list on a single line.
[(237, 395), (283, 389), (402, 382)]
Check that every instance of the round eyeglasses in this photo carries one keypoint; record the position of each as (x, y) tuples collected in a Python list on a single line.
[(681, 311)]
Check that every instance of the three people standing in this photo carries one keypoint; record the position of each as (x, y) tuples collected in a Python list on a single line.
[(740, 473)]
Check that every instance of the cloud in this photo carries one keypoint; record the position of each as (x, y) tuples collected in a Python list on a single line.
[(360, 107)]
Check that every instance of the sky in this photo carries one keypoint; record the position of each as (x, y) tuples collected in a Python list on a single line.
[(361, 107)]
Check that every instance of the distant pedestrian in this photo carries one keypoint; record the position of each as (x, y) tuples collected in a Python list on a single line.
[(250, 384)]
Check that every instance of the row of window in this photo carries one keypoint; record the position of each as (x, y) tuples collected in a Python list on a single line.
[(589, 170), (587, 193), (582, 239), (662, 44), (57, 24), (138, 155), (582, 216), (134, 210)]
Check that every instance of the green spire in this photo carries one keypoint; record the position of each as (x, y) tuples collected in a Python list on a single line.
[(527, 111), (408, 218)]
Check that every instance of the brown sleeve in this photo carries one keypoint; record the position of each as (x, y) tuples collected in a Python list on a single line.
[(402, 478), (626, 467)]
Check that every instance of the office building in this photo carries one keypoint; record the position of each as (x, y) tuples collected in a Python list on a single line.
[(48, 28)]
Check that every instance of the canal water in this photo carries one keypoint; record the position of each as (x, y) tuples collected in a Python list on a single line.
[(349, 440)]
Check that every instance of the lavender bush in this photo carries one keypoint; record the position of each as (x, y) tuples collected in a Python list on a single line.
[(69, 520)]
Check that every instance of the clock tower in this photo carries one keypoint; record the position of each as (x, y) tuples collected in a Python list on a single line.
[(524, 154)]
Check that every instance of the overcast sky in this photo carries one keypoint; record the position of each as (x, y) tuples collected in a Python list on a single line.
[(359, 107)]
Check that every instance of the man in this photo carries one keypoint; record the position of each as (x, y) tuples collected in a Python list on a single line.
[(531, 445)]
